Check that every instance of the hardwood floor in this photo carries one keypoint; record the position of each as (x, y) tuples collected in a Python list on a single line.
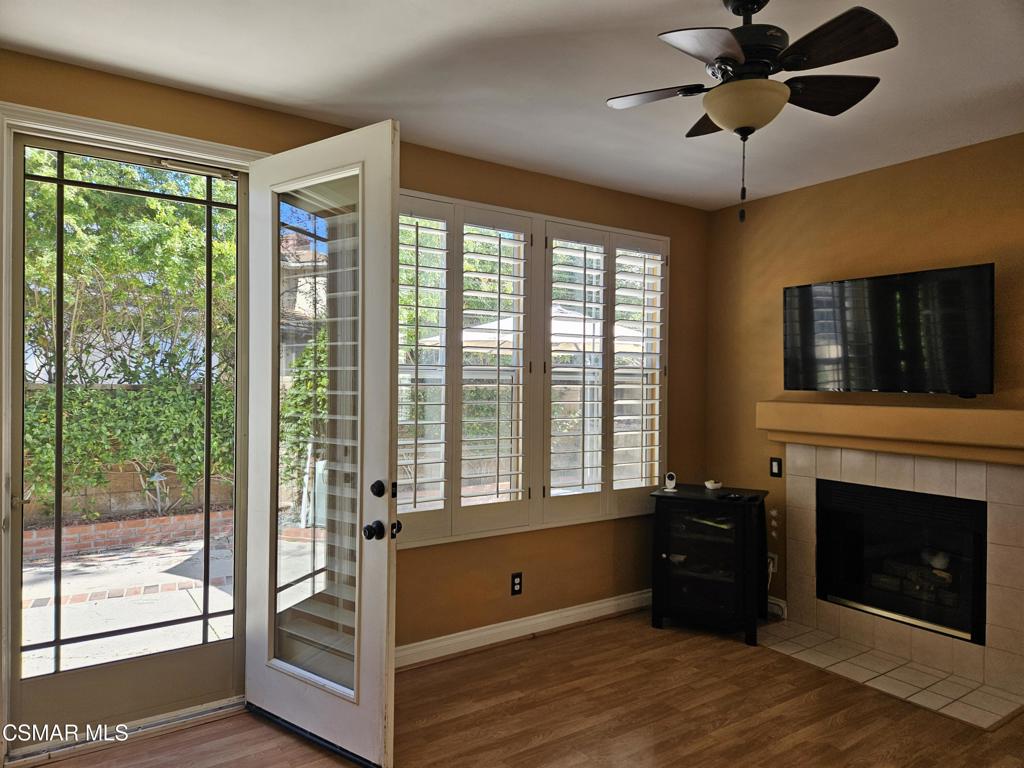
[(616, 693)]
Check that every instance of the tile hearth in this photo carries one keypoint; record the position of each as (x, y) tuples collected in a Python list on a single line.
[(931, 665), (959, 697)]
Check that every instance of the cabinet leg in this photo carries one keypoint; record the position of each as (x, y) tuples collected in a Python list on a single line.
[(656, 621), (751, 633)]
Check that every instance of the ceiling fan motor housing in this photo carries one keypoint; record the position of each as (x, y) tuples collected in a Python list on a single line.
[(744, 7), (761, 44)]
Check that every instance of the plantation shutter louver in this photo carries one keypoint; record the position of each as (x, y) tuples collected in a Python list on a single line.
[(493, 361), (577, 348), (422, 379), (638, 368)]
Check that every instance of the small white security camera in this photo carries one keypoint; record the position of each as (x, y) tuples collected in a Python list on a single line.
[(670, 482)]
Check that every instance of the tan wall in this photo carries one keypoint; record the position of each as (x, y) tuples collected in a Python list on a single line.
[(579, 564), (455, 586), (959, 207)]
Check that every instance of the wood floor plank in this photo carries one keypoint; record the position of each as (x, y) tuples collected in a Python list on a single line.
[(609, 694)]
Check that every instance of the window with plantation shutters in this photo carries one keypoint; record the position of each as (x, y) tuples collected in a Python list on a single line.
[(638, 368), (577, 347), (493, 362), (530, 370), (422, 375)]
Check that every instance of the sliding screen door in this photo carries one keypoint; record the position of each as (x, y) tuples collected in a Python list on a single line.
[(127, 353)]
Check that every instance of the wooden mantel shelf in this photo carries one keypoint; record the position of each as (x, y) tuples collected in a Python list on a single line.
[(980, 434)]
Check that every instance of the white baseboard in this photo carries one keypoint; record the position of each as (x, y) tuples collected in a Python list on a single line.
[(471, 639)]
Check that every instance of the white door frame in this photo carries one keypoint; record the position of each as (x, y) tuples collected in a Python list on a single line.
[(16, 118)]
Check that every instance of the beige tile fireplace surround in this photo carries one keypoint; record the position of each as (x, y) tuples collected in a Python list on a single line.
[(982, 685)]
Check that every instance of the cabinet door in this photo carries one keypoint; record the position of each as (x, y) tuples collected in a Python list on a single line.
[(702, 566)]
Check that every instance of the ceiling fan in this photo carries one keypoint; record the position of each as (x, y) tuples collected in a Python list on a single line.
[(744, 58)]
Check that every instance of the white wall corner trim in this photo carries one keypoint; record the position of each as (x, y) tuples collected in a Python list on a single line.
[(481, 637)]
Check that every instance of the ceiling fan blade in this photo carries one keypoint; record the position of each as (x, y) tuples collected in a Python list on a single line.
[(706, 43), (702, 127), (858, 32), (646, 97), (829, 94)]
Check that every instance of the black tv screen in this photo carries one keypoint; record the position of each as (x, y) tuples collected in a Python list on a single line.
[(917, 332)]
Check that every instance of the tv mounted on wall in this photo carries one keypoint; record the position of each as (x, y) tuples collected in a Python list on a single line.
[(929, 331)]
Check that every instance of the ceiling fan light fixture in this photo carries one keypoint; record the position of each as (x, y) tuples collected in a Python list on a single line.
[(749, 104)]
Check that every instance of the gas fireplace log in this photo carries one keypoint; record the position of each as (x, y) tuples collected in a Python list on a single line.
[(886, 582)]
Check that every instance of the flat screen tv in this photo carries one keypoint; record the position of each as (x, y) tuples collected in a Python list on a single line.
[(926, 331)]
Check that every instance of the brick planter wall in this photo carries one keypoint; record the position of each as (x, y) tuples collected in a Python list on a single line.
[(117, 534)]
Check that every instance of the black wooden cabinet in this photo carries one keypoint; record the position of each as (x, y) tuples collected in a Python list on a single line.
[(710, 564)]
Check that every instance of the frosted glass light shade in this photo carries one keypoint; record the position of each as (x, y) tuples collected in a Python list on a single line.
[(746, 103)]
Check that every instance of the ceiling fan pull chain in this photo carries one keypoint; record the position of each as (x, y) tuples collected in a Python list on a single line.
[(743, 180)]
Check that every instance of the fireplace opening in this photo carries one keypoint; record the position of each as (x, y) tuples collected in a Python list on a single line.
[(912, 557)]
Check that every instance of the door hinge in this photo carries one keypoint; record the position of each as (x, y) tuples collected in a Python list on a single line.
[(531, 239), (394, 489), (543, 491), (529, 493)]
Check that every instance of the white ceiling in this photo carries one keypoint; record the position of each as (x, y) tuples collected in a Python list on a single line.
[(523, 82)]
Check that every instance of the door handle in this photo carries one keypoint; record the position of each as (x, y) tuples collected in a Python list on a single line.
[(374, 530), (378, 488)]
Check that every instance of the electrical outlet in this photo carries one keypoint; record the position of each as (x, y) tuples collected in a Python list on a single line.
[(517, 583), (773, 562), (775, 466)]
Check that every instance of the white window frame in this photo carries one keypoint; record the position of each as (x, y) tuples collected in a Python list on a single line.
[(538, 510)]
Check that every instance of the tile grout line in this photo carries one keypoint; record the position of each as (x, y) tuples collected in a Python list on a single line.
[(792, 639)]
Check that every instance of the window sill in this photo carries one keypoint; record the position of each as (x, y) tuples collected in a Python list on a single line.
[(629, 510)]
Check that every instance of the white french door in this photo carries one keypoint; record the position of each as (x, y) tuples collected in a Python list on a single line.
[(321, 552)]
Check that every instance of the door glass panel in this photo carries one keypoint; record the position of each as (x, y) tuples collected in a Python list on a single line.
[(130, 176), (141, 643), (143, 391), (318, 429), (223, 410), (128, 409), (39, 390)]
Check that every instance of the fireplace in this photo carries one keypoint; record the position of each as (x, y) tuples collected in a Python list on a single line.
[(917, 558)]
